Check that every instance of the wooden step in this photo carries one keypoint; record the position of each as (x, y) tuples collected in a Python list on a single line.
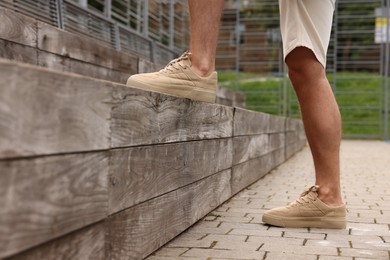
[(28, 40)]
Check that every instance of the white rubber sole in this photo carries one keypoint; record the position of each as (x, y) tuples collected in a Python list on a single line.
[(183, 91), (306, 222)]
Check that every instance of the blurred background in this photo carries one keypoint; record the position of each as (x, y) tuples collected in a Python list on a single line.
[(249, 55)]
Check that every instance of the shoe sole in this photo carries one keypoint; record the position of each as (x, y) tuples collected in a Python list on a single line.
[(197, 94), (306, 222)]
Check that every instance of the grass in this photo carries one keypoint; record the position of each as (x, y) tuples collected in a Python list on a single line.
[(359, 96)]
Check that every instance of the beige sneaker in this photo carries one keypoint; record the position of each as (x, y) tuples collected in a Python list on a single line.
[(178, 79), (307, 211)]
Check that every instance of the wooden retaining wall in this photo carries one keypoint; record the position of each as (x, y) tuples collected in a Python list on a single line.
[(92, 169)]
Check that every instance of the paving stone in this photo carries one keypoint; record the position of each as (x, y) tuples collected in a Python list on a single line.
[(283, 256), (281, 241), (310, 250), (226, 238), (224, 254), (172, 252), (182, 242), (304, 235), (364, 253), (358, 238), (326, 257), (250, 226), (379, 245), (231, 245), (256, 232), (327, 243)]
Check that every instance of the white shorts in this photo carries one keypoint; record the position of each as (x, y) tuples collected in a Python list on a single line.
[(306, 23)]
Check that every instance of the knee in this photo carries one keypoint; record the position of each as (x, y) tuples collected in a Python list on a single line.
[(303, 67)]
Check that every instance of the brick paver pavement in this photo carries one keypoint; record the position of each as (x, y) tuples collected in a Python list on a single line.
[(235, 231)]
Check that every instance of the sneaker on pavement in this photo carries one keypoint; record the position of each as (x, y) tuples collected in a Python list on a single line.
[(178, 79), (307, 211)]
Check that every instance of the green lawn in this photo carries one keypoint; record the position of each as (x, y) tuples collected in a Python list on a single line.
[(359, 95)]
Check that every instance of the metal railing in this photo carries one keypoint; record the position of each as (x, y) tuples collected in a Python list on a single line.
[(155, 30)]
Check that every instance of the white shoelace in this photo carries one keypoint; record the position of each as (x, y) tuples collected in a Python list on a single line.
[(176, 63), (307, 196)]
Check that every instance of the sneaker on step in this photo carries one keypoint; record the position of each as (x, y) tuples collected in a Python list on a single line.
[(178, 79), (307, 211)]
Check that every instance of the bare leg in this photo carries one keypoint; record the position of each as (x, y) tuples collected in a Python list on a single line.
[(321, 118), (205, 18)]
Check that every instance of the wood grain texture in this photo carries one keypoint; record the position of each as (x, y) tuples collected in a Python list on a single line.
[(276, 141), (230, 98), (276, 124), (293, 148), (87, 243), (47, 197), (63, 63), (293, 124), (141, 117), (142, 173), (250, 171), (18, 52), (249, 147), (18, 28), (45, 112), (253, 146), (86, 49), (250, 122), (140, 230)]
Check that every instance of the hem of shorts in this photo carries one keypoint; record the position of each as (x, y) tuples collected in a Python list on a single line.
[(297, 44)]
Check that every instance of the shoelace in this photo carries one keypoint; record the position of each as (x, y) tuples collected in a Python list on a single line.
[(307, 196), (175, 64)]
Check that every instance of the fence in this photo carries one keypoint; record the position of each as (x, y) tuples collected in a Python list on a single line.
[(357, 67), (153, 29)]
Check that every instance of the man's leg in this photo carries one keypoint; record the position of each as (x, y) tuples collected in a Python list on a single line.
[(305, 27), (321, 118), (205, 16), (193, 74)]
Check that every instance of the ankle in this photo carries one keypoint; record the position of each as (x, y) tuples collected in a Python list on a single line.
[(330, 196), (202, 68)]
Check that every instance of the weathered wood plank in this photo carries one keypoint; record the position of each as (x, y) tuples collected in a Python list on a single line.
[(249, 147), (293, 148), (47, 197), (63, 63), (142, 173), (250, 171), (230, 98), (253, 146), (18, 52), (18, 28), (293, 124), (248, 122), (149, 118), (276, 124), (276, 141), (87, 243), (45, 112), (89, 50), (140, 230)]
